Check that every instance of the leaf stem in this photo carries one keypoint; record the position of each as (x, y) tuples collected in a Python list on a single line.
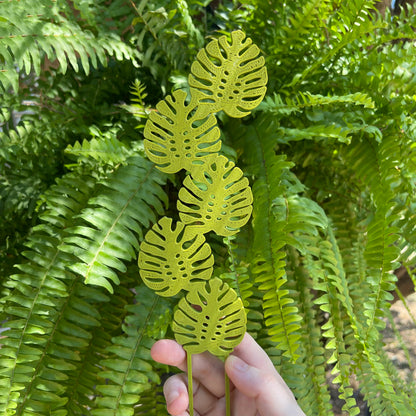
[(190, 388), (227, 396)]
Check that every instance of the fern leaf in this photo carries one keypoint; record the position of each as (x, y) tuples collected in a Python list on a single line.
[(277, 105), (105, 148), (329, 281), (320, 132), (187, 19), (108, 230), (36, 295), (127, 369), (238, 277), (281, 316), (47, 32), (303, 19), (62, 351), (310, 388), (152, 403), (381, 253), (350, 23), (375, 377)]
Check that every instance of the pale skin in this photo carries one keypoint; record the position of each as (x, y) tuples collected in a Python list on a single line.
[(256, 387)]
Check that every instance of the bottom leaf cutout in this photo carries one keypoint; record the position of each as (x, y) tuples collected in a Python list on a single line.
[(210, 318)]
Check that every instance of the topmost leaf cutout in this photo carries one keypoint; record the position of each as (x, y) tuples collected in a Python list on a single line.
[(229, 76)]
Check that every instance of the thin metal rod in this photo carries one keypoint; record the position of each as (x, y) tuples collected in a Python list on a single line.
[(227, 396), (190, 387)]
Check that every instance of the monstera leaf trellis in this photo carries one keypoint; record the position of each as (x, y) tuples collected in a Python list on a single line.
[(183, 134)]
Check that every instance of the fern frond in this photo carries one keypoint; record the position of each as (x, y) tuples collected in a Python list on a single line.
[(349, 25), (127, 369), (104, 147), (167, 35), (405, 388), (237, 276), (108, 230), (377, 375), (30, 155), (310, 388), (83, 379), (48, 33), (63, 348), (305, 19), (323, 268), (277, 105), (381, 256), (277, 222), (376, 166), (317, 132), (189, 24), (268, 264), (152, 403), (368, 341), (36, 295)]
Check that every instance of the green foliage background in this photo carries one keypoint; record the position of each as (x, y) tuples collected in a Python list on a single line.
[(330, 154)]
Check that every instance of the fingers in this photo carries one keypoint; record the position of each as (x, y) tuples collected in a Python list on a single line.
[(176, 394), (271, 394), (168, 351), (251, 353), (206, 368)]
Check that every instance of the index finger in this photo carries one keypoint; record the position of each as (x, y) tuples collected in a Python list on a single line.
[(206, 368), (251, 352)]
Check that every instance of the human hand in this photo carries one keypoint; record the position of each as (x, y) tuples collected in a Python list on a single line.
[(256, 387)]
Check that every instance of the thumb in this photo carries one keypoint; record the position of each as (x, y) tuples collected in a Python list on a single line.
[(271, 394)]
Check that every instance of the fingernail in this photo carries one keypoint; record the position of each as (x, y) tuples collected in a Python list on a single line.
[(237, 363), (171, 396)]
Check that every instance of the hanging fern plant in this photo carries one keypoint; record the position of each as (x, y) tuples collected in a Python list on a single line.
[(285, 215)]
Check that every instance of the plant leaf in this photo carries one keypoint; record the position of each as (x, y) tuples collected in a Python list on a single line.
[(216, 197), (210, 318), (176, 137), (229, 76), (170, 258)]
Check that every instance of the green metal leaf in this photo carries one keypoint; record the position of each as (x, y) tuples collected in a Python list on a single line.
[(210, 318), (216, 197), (170, 258), (176, 137), (229, 76)]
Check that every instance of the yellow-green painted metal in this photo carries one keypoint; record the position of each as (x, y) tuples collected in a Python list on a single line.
[(229, 76), (210, 317), (183, 134), (176, 137), (215, 197), (171, 257)]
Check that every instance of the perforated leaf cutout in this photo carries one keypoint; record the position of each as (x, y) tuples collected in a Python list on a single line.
[(171, 257), (229, 76), (216, 197), (210, 318), (176, 137)]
